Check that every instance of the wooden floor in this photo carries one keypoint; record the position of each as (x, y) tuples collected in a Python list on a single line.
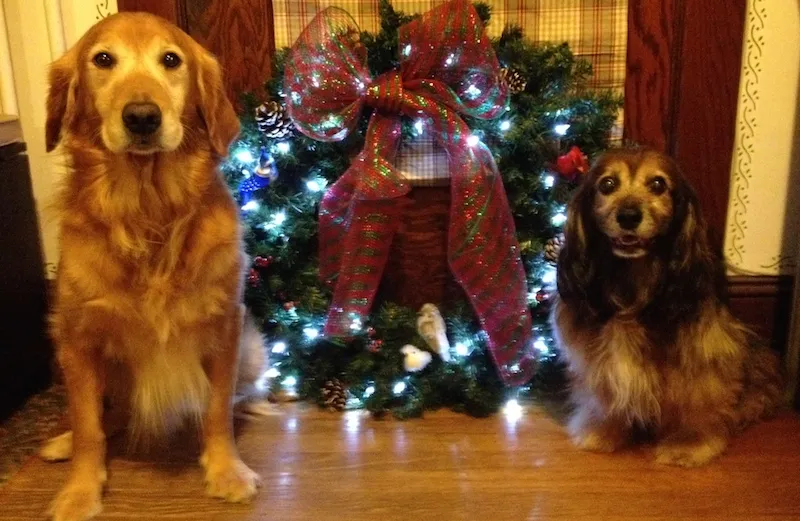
[(326, 466)]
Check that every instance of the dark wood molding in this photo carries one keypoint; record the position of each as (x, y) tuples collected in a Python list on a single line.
[(167, 9), (240, 33), (765, 304), (681, 90)]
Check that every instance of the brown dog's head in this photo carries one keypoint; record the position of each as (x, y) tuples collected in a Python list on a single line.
[(637, 199), (635, 206), (137, 84)]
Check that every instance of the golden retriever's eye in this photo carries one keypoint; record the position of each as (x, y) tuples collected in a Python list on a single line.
[(658, 185), (103, 60), (171, 60), (607, 185)]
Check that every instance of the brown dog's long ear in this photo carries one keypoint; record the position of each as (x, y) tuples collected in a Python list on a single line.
[(575, 264), (220, 119), (61, 97), (694, 271)]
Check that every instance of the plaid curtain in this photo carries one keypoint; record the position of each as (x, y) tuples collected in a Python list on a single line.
[(596, 30)]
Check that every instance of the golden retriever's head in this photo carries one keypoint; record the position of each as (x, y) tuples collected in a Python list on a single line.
[(137, 84)]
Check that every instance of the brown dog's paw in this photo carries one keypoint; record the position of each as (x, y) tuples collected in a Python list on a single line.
[(231, 480), (689, 454), (76, 502)]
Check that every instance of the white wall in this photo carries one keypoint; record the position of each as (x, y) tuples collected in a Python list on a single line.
[(39, 31), (8, 95), (764, 209)]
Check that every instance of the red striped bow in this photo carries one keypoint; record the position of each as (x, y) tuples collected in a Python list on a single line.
[(447, 68)]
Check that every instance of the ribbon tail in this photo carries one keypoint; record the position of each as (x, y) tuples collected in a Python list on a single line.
[(484, 257), (365, 250), (359, 216)]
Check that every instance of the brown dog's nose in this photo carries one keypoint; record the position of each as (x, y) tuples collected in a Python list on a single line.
[(141, 119), (629, 217)]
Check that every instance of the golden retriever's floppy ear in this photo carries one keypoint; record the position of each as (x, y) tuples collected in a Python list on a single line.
[(220, 119), (61, 97)]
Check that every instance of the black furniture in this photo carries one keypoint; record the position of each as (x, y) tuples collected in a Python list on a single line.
[(25, 350)]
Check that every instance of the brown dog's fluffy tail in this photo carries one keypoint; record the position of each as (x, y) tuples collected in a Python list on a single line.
[(762, 387)]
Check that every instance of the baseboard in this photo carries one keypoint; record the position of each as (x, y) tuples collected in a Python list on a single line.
[(765, 304)]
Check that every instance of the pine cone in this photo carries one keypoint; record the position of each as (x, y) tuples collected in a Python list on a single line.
[(552, 247), (513, 79), (273, 120), (334, 395)]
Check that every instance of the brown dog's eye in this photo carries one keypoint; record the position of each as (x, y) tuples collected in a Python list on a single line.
[(171, 60), (103, 60), (658, 185), (607, 185)]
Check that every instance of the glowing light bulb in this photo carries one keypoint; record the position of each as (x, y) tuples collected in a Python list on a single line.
[(473, 91), (462, 349), (311, 333), (279, 347), (540, 345), (473, 140), (512, 410), (549, 276), (250, 206), (279, 218), (407, 50), (399, 387), (549, 181), (289, 381), (450, 60), (272, 373), (369, 391), (419, 126), (283, 147), (355, 325), (313, 186), (561, 129), (505, 125), (243, 155), (558, 219)]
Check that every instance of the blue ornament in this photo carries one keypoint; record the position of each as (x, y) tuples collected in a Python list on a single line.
[(265, 173)]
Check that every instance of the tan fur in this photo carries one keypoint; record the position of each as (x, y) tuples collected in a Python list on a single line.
[(148, 294), (690, 384)]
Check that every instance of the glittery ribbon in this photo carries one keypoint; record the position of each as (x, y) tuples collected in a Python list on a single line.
[(447, 68)]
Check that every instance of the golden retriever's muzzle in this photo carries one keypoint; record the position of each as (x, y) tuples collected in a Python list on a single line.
[(142, 120)]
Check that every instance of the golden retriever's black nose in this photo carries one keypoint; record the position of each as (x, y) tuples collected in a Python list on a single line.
[(141, 119), (629, 217)]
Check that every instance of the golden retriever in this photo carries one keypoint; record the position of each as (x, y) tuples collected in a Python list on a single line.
[(149, 287), (639, 316)]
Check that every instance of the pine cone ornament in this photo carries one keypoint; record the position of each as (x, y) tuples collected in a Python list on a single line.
[(552, 248), (513, 79), (273, 120), (334, 395)]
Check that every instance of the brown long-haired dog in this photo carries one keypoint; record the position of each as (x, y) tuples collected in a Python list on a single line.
[(149, 287), (649, 344)]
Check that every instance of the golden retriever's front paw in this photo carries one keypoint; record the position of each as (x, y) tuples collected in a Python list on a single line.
[(76, 502), (58, 448), (231, 480), (594, 442), (689, 454)]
